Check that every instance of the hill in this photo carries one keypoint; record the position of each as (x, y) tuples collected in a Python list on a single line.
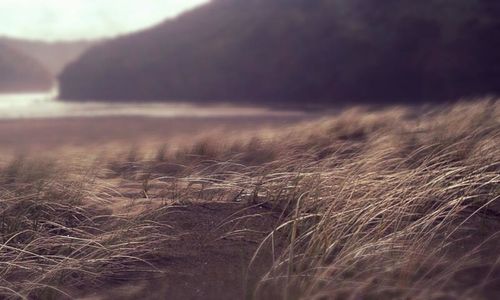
[(397, 203), (21, 73), (53, 55), (335, 51)]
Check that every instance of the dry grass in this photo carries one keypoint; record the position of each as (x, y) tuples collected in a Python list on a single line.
[(397, 203), (57, 236)]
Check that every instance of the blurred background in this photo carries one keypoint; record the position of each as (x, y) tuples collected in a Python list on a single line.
[(278, 60)]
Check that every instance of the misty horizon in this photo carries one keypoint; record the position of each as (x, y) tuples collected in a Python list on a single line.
[(76, 20)]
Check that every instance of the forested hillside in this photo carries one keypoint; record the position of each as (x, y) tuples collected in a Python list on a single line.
[(21, 73), (301, 51)]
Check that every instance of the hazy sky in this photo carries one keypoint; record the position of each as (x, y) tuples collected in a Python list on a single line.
[(74, 19)]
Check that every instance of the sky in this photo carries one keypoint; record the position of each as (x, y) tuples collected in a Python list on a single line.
[(84, 19)]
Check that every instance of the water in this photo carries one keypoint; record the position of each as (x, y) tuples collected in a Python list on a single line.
[(45, 105)]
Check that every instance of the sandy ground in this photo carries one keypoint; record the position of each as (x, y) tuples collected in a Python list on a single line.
[(208, 260), (209, 256)]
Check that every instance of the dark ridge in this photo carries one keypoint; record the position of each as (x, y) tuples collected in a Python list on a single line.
[(301, 51)]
